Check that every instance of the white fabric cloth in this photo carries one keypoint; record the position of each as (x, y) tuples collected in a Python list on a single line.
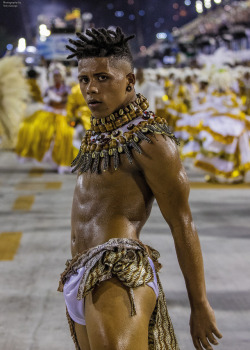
[(76, 307)]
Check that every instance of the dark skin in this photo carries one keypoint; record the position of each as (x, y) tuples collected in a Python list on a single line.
[(117, 204)]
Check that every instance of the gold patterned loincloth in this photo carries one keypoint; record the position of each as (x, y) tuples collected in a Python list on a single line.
[(127, 260)]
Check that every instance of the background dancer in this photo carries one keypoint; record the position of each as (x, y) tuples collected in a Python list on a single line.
[(45, 135)]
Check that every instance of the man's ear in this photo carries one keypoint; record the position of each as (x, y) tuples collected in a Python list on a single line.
[(130, 78)]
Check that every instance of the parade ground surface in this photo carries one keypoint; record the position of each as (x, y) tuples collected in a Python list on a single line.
[(35, 243)]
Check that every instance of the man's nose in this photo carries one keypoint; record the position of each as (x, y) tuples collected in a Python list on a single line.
[(92, 88)]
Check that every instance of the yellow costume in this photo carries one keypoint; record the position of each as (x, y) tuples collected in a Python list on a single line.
[(42, 130), (45, 134), (35, 91), (77, 108), (225, 150), (179, 104)]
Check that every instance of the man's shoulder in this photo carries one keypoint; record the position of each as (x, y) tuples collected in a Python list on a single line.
[(162, 139), (160, 145), (160, 155)]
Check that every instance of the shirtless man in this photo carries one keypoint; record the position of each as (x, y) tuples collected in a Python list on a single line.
[(128, 159)]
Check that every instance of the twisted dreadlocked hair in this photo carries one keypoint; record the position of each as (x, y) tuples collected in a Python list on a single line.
[(101, 43)]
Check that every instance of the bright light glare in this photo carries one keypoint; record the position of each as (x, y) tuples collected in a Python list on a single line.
[(217, 1), (207, 4), (9, 47), (199, 6), (31, 49), (29, 60), (43, 38), (187, 2), (43, 30), (169, 60), (21, 45), (119, 13), (161, 35), (42, 27)]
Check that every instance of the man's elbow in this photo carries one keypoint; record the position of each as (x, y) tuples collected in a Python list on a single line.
[(183, 227)]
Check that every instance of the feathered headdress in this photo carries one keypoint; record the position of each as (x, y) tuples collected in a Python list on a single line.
[(14, 92)]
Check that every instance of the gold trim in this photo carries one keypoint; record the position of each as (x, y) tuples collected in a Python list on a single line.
[(212, 169), (188, 155), (218, 137), (190, 129), (200, 127), (248, 124), (208, 109), (241, 116), (229, 157)]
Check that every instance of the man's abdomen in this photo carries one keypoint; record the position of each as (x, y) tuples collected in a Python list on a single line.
[(104, 209)]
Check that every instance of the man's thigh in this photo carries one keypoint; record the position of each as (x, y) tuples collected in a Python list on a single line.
[(82, 336), (108, 316)]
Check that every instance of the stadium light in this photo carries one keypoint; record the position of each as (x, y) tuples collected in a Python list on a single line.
[(161, 35), (31, 49), (21, 45), (43, 30), (9, 47), (207, 4), (199, 6)]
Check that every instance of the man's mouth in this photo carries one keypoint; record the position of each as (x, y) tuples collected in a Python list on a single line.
[(94, 103)]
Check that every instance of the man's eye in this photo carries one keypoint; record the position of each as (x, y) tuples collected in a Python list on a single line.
[(102, 77), (83, 80)]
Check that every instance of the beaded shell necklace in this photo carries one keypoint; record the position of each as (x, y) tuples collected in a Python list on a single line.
[(120, 132)]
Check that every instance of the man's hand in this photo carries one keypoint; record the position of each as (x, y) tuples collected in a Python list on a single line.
[(203, 327)]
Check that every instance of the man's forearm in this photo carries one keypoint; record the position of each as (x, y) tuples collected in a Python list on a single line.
[(189, 255)]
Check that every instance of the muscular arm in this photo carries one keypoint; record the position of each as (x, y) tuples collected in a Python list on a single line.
[(168, 181)]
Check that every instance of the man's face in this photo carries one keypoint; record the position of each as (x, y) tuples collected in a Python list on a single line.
[(247, 75), (57, 78), (203, 85), (103, 82)]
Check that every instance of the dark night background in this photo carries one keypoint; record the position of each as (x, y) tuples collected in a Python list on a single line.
[(160, 16)]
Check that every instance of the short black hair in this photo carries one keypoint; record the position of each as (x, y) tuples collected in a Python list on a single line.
[(32, 73), (101, 43)]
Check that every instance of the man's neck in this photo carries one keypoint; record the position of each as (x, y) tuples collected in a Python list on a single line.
[(127, 101), (58, 85), (134, 107)]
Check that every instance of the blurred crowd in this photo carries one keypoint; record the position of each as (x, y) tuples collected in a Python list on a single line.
[(209, 111), (43, 115)]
